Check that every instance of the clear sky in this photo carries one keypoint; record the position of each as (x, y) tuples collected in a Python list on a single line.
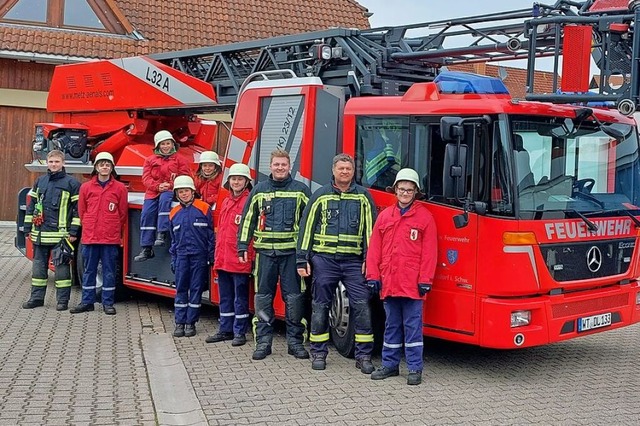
[(397, 12)]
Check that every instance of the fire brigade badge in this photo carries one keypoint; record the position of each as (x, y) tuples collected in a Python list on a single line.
[(414, 234), (238, 219), (452, 256), (112, 206)]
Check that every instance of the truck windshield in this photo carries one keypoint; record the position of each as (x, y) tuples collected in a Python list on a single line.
[(563, 166)]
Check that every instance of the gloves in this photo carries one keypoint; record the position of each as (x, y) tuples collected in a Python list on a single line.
[(374, 286), (424, 288)]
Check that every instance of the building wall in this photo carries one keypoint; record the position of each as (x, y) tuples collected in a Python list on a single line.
[(23, 87)]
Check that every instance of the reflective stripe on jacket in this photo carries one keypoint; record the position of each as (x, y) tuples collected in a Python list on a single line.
[(336, 222), (403, 251), (271, 215), (192, 229), (226, 258), (103, 211)]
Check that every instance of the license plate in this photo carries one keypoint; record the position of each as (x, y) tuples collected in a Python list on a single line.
[(595, 321)]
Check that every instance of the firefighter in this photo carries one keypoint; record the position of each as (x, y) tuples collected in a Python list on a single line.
[(401, 262), (192, 248), (158, 173), (381, 160), (233, 276), (209, 177), (103, 209), (334, 234), (270, 218), (52, 224)]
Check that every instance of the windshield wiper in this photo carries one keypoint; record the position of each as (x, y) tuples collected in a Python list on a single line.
[(592, 226), (635, 220), (589, 197)]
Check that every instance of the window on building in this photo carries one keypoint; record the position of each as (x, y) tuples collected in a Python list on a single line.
[(94, 15)]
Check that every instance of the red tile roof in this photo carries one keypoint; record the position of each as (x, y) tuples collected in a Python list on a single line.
[(178, 25)]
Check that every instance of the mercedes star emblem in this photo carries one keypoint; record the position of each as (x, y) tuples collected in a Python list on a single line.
[(594, 259)]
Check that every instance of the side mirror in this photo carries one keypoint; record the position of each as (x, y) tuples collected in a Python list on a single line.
[(451, 128), (454, 181)]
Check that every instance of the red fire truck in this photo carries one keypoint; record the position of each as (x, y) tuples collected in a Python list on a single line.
[(537, 204)]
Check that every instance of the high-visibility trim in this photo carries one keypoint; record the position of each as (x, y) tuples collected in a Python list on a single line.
[(364, 338), (75, 221), (227, 314), (200, 224), (255, 276), (319, 338), (242, 316), (163, 213), (75, 198), (148, 228), (254, 330), (194, 305), (181, 305), (33, 194), (93, 287), (28, 219), (64, 209), (413, 345), (63, 283), (108, 289), (39, 282), (392, 345), (305, 324)]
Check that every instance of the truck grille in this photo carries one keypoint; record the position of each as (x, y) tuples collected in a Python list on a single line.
[(602, 304)]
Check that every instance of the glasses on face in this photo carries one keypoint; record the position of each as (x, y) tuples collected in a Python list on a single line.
[(405, 191)]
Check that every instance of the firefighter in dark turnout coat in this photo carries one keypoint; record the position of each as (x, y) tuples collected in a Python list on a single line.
[(270, 219), (52, 221)]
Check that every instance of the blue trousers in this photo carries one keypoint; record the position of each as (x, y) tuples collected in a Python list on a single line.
[(234, 302), (92, 255), (154, 217), (327, 272), (191, 280), (403, 326)]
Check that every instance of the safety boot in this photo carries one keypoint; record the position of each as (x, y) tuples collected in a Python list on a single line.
[(261, 352), (109, 310), (365, 365), (298, 352), (239, 340), (30, 304), (220, 336), (189, 330), (82, 308), (384, 373), (318, 361), (179, 330), (62, 306), (146, 254), (161, 239), (414, 377)]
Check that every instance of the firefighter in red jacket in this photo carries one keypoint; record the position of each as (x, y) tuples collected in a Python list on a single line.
[(103, 209), (158, 173), (208, 177), (401, 262), (233, 276)]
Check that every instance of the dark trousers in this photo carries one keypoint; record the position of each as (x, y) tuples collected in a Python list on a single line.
[(191, 280), (154, 217), (403, 326), (327, 272), (268, 270), (234, 302), (40, 272), (92, 255)]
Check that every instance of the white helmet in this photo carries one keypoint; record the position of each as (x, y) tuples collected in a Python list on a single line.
[(184, 182), (408, 175), (104, 156), (209, 157), (163, 135), (239, 169)]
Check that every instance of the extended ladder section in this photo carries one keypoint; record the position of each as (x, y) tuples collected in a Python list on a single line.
[(381, 61)]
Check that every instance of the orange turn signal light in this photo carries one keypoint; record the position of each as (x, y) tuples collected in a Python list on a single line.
[(519, 238)]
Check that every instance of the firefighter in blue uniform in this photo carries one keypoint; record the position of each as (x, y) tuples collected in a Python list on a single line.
[(192, 248), (52, 221), (270, 218), (334, 234)]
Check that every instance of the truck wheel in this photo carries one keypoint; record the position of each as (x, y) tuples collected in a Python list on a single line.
[(342, 330), (122, 292)]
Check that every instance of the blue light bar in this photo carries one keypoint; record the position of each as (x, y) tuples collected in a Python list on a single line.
[(459, 83)]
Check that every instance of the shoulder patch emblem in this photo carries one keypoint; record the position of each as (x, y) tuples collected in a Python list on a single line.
[(414, 234)]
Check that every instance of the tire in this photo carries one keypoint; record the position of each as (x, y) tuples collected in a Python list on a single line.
[(341, 328), (122, 292)]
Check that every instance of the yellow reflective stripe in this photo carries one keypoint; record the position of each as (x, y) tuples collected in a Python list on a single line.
[(63, 283), (75, 198), (64, 209), (273, 234), (364, 338), (248, 220), (326, 238), (75, 221), (306, 327), (271, 245), (28, 218), (310, 225), (337, 250), (255, 277), (254, 326), (33, 194), (38, 282), (319, 338)]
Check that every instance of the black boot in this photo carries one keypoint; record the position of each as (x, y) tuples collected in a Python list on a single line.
[(298, 352), (82, 308), (318, 361), (30, 304), (62, 306), (414, 378), (365, 365), (239, 340), (384, 373), (220, 336), (189, 330), (179, 330), (161, 239), (261, 352), (146, 254)]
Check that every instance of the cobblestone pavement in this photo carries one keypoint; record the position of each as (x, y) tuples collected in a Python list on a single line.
[(57, 368)]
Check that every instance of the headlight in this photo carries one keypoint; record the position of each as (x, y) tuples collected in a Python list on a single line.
[(520, 318)]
